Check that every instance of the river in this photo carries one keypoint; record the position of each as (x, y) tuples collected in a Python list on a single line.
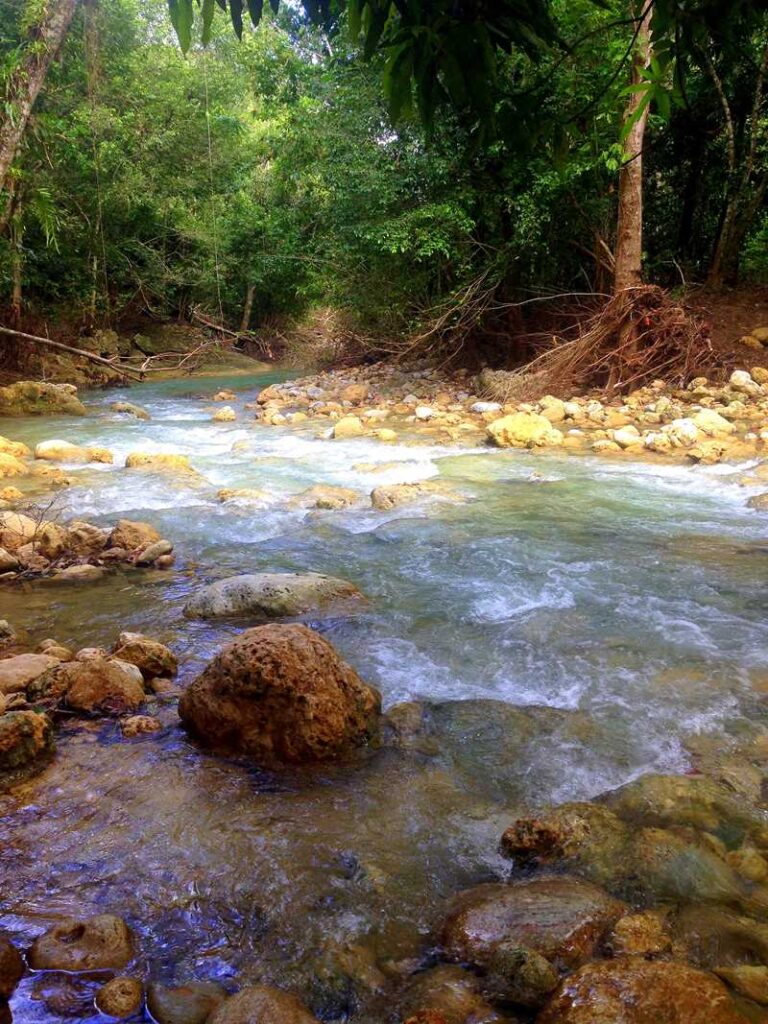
[(578, 622)]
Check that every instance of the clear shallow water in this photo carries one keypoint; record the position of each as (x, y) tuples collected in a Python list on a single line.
[(628, 599)]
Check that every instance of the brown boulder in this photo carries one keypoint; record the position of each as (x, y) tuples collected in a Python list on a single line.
[(92, 944), (264, 1004), (18, 672), (84, 539), (96, 686), (631, 990), (562, 918), (16, 530), (132, 536), (281, 694), (150, 656), (25, 737)]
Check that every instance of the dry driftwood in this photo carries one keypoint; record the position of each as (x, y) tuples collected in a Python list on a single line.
[(118, 367)]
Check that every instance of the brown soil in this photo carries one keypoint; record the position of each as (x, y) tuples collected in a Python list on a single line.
[(731, 315)]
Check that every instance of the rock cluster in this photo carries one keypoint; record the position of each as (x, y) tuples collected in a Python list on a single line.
[(92, 682), (704, 422), (33, 547)]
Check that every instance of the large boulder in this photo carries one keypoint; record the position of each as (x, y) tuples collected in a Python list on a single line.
[(262, 1004), (272, 595), (26, 739), (325, 497), (631, 990), (37, 398), (94, 687), (97, 943), (562, 918), (18, 672), (281, 694), (150, 656)]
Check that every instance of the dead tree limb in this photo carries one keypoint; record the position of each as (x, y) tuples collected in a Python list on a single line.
[(118, 367)]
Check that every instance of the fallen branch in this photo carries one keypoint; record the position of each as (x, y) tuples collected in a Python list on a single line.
[(118, 367)]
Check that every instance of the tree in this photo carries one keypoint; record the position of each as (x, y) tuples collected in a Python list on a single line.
[(628, 257), (44, 39)]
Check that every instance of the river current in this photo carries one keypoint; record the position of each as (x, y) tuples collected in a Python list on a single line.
[(576, 621)]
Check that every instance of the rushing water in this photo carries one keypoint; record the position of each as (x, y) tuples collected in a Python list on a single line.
[(627, 600)]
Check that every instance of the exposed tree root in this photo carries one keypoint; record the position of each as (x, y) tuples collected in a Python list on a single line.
[(638, 336)]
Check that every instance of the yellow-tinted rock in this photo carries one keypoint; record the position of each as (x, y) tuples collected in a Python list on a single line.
[(348, 426), (10, 465), (519, 430)]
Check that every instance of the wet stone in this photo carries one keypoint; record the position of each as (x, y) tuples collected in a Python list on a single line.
[(191, 1003), (87, 944)]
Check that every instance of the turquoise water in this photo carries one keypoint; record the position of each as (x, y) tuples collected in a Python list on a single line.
[(629, 599)]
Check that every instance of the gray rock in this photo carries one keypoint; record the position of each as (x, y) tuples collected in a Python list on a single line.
[(271, 595)]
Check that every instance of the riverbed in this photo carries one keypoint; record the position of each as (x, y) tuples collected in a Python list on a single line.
[(575, 623)]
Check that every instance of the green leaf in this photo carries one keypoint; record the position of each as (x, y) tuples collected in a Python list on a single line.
[(182, 17), (208, 9)]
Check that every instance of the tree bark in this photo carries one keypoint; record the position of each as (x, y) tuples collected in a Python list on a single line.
[(27, 79), (247, 308), (628, 271)]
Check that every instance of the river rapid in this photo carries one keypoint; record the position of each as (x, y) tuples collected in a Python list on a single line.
[(577, 622)]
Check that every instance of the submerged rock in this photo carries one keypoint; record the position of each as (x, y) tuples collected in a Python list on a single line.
[(271, 595), (390, 496), (129, 409), (445, 995), (37, 398), (631, 990), (11, 967), (281, 694), (520, 975), (83, 944), (562, 918), (695, 801), (263, 1004), (160, 463), (120, 998), (325, 497), (192, 1003)]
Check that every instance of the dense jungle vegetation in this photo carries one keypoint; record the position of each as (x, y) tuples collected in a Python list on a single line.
[(290, 171)]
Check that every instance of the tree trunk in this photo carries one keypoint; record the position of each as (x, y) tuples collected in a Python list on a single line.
[(16, 277), (629, 233), (247, 308), (27, 79)]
